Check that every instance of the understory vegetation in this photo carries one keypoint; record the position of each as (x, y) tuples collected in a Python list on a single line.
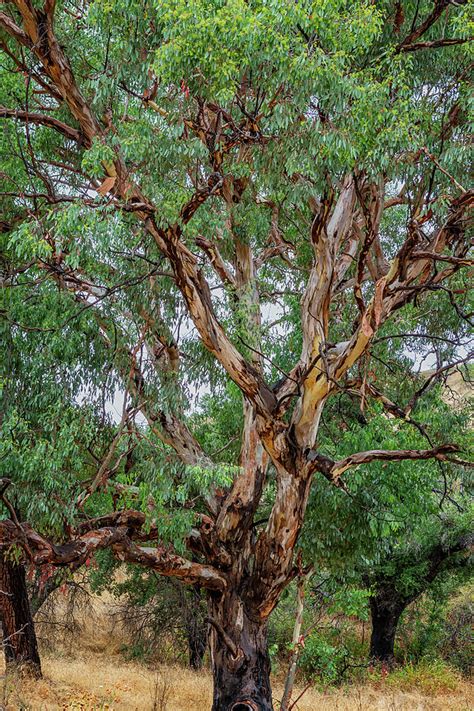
[(79, 630)]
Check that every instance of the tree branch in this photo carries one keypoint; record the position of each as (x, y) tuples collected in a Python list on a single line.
[(434, 44), (13, 30), (42, 120), (327, 235), (229, 643), (394, 289), (333, 470), (439, 8), (118, 536), (216, 260)]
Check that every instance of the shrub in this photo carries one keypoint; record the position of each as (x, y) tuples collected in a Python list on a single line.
[(429, 676), (457, 640)]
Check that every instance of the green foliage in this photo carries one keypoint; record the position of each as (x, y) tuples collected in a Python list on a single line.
[(26, 242), (429, 677), (456, 641), (392, 505)]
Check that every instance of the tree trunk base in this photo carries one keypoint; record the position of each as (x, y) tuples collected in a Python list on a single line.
[(19, 639), (385, 614), (241, 672), (25, 670)]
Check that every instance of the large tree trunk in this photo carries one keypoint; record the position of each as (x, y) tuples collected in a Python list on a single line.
[(385, 612), (240, 659), (19, 638)]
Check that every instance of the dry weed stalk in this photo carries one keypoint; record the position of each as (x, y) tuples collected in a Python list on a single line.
[(161, 692)]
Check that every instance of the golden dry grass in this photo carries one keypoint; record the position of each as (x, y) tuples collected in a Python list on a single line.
[(98, 684), (90, 674)]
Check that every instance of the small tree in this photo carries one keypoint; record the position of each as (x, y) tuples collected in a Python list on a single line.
[(223, 166), (407, 575)]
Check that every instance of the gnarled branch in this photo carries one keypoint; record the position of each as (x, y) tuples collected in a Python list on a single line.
[(333, 470), (118, 534)]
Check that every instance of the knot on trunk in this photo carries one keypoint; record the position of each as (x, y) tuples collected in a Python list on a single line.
[(244, 706)]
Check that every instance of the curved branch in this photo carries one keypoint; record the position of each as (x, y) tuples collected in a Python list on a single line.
[(395, 289), (167, 563), (42, 120), (333, 470)]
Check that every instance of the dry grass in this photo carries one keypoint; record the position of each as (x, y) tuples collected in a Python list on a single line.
[(95, 683), (88, 673)]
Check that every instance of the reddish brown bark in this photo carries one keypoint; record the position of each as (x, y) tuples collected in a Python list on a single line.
[(19, 638)]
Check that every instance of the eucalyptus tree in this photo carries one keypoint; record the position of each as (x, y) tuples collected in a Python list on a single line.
[(194, 175), (404, 526), (48, 445)]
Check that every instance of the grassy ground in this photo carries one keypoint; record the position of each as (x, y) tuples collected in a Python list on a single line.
[(97, 683), (89, 673)]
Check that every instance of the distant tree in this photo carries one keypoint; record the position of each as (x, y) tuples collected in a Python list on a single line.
[(403, 525), (242, 195), (409, 573)]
